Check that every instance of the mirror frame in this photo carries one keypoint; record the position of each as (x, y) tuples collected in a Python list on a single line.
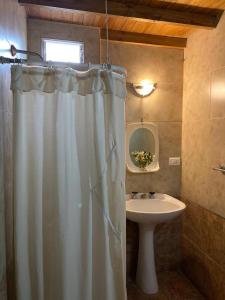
[(130, 128)]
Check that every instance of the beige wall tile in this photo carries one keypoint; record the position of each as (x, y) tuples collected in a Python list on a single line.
[(163, 66), (203, 147), (167, 179), (203, 132), (167, 244), (218, 94), (196, 95), (164, 107), (203, 250), (132, 240), (3, 295), (194, 265), (146, 62)]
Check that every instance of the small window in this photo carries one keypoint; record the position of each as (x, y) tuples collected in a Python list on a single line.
[(63, 51)]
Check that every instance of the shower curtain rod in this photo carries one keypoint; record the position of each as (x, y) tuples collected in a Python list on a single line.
[(79, 67)]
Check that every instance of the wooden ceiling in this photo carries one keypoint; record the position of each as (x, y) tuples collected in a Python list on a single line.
[(146, 21), (217, 4)]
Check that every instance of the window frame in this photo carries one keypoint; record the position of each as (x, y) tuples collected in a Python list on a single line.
[(80, 43)]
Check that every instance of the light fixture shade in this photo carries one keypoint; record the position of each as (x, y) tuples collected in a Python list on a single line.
[(143, 89)]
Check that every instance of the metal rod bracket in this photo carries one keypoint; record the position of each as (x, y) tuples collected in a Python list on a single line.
[(221, 169)]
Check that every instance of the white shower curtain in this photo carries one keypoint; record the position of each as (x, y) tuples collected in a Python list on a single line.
[(69, 184)]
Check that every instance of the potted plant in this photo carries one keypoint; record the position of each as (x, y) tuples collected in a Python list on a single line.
[(143, 158)]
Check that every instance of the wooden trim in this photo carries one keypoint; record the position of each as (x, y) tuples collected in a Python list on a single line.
[(140, 38), (132, 10)]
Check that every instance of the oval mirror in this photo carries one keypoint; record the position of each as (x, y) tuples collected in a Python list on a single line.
[(142, 146)]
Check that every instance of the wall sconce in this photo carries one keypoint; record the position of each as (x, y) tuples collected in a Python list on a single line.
[(143, 89)]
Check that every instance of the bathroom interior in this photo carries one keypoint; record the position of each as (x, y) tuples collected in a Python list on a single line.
[(112, 150)]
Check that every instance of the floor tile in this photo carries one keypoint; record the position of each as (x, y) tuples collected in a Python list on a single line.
[(172, 286)]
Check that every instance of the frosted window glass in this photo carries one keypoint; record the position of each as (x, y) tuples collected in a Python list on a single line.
[(63, 51)]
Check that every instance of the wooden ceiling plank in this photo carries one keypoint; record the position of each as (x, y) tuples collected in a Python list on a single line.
[(116, 23), (137, 11), (213, 4), (140, 38)]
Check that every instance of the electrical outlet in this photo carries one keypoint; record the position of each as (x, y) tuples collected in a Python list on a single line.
[(174, 161)]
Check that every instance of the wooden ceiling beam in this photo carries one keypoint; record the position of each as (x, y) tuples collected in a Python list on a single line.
[(132, 10), (140, 38)]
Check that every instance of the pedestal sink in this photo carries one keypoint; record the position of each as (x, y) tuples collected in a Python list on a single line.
[(148, 212)]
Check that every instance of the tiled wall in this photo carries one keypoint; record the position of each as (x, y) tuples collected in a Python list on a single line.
[(38, 29), (167, 241), (12, 30), (203, 250), (164, 107), (204, 119), (203, 147)]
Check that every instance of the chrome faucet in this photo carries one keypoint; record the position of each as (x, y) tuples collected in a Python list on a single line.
[(151, 195), (136, 195), (133, 195)]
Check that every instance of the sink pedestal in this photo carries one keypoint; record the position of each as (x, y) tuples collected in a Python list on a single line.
[(146, 275), (148, 213)]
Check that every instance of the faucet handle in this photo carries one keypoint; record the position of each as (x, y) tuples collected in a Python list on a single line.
[(151, 195), (133, 194)]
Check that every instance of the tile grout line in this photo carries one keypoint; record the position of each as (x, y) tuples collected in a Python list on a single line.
[(205, 254)]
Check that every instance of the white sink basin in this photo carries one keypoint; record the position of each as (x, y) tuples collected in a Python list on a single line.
[(148, 213), (159, 209)]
